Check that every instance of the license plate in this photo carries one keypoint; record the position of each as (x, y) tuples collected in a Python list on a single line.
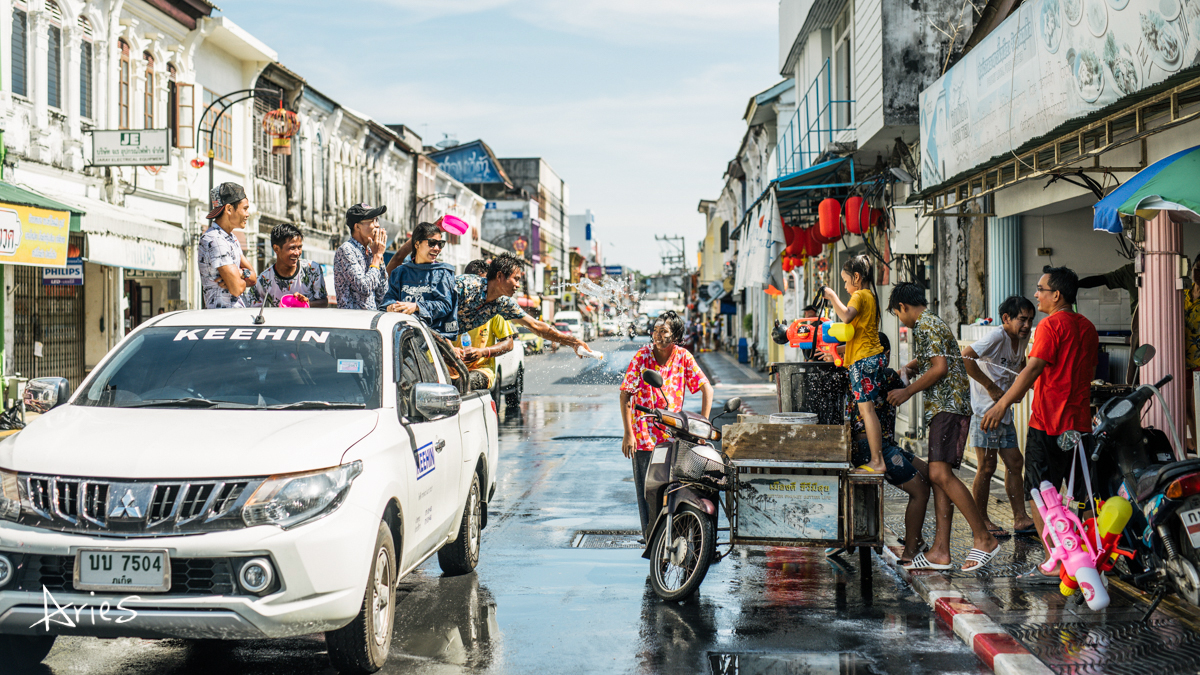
[(122, 570), (1191, 523)]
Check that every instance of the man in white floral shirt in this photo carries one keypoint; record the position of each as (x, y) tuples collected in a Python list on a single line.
[(225, 273), (290, 275)]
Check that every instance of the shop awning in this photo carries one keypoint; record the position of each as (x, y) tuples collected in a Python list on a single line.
[(11, 194), (1167, 185), (799, 192), (121, 237)]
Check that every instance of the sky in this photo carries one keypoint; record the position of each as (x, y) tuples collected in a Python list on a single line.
[(637, 104)]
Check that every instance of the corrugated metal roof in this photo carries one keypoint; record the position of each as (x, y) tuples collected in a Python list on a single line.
[(11, 194)]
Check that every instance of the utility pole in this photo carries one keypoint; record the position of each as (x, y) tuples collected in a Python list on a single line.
[(675, 262)]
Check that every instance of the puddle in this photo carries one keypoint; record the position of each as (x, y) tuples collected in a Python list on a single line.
[(789, 663)]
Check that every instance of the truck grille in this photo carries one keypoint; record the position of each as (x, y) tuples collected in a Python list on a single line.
[(133, 508), (189, 576)]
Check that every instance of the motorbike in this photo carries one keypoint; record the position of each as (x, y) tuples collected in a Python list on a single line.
[(686, 474), (1137, 464)]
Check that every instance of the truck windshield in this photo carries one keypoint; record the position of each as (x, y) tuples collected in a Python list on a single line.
[(239, 367)]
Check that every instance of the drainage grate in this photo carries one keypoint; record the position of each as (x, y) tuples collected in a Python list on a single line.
[(585, 439), (607, 539), (1163, 647), (742, 663)]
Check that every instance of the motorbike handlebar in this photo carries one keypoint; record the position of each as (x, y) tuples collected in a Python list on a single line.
[(1096, 451), (1166, 379), (642, 408)]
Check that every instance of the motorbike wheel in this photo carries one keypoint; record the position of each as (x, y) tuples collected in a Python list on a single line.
[(1183, 570), (678, 567)]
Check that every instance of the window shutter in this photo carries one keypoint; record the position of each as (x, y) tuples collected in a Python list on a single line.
[(185, 127)]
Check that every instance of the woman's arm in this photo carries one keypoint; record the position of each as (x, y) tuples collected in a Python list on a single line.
[(846, 314)]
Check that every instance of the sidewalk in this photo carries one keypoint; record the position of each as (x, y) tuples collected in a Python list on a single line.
[(1019, 628), (730, 378)]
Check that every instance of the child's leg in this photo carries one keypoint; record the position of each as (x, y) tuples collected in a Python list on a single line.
[(981, 486), (866, 409), (914, 514)]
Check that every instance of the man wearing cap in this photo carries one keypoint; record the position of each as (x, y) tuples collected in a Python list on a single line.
[(358, 277), (225, 273)]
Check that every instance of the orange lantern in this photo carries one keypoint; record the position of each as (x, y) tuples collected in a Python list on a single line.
[(829, 213), (281, 125)]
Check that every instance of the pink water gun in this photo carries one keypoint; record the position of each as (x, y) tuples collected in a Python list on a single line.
[(1063, 536)]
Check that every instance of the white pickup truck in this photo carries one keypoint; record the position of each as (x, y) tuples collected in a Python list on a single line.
[(224, 476)]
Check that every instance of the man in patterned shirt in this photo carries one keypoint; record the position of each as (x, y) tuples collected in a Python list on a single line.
[(358, 276), (938, 371), (225, 273), (290, 275)]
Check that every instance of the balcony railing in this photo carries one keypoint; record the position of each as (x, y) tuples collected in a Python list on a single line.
[(819, 121)]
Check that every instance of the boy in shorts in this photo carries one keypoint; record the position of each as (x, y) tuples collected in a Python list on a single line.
[(938, 371), (903, 469)]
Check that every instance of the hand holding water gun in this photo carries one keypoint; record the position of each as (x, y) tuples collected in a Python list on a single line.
[(1063, 535), (820, 334)]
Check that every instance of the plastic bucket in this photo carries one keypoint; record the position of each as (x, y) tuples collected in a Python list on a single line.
[(794, 418)]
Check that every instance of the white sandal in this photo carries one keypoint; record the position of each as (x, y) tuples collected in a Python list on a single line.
[(981, 558), (920, 562)]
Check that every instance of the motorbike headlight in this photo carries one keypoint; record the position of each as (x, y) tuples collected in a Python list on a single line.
[(10, 496), (291, 499), (700, 428)]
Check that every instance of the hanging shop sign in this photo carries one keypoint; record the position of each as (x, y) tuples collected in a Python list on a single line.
[(1050, 62), (71, 275), (32, 236), (122, 147)]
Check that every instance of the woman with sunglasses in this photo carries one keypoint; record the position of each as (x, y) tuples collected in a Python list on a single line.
[(425, 287)]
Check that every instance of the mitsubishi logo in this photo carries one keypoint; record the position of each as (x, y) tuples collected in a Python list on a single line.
[(127, 507)]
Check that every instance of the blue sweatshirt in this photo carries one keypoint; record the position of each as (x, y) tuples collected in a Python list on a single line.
[(431, 286)]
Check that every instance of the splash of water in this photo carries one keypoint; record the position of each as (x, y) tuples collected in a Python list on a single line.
[(990, 363), (616, 293)]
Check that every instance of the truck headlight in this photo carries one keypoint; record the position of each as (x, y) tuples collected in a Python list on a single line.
[(10, 496), (290, 499)]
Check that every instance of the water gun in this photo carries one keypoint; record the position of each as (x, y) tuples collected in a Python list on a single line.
[(821, 334), (1064, 538), (1114, 514)]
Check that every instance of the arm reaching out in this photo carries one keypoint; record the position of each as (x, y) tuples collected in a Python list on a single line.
[(1023, 383)]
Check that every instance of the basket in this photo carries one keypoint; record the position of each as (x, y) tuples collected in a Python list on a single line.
[(692, 468)]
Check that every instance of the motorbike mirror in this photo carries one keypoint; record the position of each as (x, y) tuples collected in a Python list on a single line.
[(1143, 355), (1068, 440), (732, 404), (652, 378)]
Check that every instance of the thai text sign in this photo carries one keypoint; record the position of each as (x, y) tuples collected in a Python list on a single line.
[(123, 147), (32, 236), (787, 506), (1050, 62)]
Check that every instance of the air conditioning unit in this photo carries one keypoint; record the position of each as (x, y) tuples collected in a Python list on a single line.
[(913, 232)]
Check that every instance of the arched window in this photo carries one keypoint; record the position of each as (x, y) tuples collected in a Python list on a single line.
[(148, 123), (86, 61), (54, 56), (123, 87), (20, 43)]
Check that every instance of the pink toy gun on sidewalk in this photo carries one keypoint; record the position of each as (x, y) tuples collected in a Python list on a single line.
[(1063, 536)]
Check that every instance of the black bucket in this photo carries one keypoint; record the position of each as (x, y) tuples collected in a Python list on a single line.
[(814, 387)]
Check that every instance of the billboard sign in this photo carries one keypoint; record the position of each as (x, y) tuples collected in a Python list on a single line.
[(128, 147), (33, 236), (469, 163), (71, 275)]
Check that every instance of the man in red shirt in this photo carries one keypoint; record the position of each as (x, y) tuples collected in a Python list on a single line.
[(1060, 369)]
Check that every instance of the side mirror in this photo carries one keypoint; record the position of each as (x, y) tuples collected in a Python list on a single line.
[(652, 378), (435, 401), (1143, 355), (1068, 440), (733, 404), (45, 393)]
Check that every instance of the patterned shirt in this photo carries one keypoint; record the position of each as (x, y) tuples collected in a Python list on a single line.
[(357, 284), (952, 394), (217, 249), (474, 310), (680, 372), (307, 281)]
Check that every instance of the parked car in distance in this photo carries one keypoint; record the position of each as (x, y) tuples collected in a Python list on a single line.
[(531, 342), (609, 327), (574, 322), (510, 376)]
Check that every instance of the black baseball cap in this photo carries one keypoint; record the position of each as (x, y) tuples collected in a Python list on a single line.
[(222, 195), (361, 212)]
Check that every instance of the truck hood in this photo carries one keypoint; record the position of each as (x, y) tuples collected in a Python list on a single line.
[(75, 440)]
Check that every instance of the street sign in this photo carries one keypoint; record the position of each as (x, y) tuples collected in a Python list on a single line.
[(71, 275), (614, 270), (124, 147)]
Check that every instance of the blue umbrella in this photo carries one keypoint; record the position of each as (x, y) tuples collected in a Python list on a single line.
[(1171, 184)]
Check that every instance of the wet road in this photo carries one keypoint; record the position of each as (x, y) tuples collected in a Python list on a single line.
[(552, 595)]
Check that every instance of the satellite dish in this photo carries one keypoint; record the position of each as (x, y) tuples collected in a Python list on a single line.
[(447, 142), (715, 290)]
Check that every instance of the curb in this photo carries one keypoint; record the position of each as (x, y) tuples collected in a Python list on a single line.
[(998, 650)]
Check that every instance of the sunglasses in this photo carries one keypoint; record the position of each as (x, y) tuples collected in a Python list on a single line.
[(435, 243)]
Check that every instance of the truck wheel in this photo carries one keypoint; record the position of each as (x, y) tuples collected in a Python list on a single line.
[(513, 398), (24, 651), (362, 645), (462, 555)]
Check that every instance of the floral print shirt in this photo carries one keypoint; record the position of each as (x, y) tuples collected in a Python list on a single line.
[(217, 249), (952, 394), (680, 372), (357, 284), (307, 281), (474, 311)]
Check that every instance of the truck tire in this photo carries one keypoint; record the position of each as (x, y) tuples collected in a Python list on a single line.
[(362, 645), (23, 652), (513, 398), (462, 555)]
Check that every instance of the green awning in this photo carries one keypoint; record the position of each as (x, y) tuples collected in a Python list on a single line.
[(11, 194)]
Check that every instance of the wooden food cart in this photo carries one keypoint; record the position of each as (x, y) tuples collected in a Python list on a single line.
[(793, 487)]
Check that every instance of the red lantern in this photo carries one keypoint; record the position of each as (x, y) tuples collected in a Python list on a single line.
[(787, 263), (830, 214), (855, 209), (812, 246), (789, 234), (797, 241)]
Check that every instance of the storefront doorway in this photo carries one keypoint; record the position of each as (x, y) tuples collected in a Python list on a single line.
[(47, 327)]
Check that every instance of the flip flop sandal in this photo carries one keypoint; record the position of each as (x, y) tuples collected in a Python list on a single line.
[(920, 562), (1034, 577), (1026, 531), (999, 532), (980, 558)]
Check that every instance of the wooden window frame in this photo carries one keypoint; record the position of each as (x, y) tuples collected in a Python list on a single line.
[(148, 101), (222, 136), (123, 93), (20, 65)]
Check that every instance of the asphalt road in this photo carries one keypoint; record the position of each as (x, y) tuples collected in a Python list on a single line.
[(550, 596)]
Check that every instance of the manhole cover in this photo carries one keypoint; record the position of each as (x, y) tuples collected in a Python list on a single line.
[(768, 663), (598, 439), (607, 539), (1162, 647)]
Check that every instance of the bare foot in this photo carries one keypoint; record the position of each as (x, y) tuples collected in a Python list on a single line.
[(1023, 524)]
